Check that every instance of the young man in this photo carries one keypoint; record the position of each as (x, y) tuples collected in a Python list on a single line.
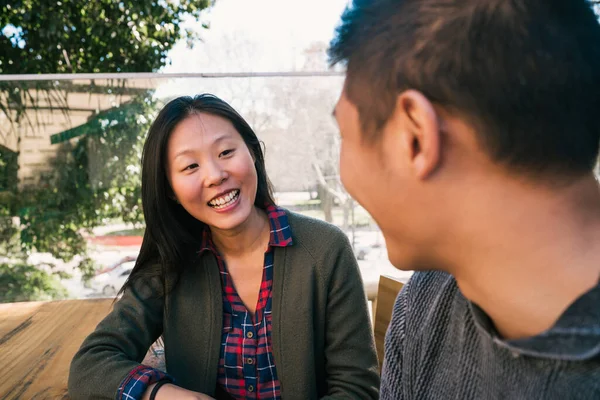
[(470, 132)]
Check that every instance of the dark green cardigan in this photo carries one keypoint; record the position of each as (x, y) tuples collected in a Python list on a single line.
[(322, 338)]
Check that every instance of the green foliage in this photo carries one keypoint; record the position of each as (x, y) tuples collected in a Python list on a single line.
[(22, 282), (9, 241), (96, 176), (95, 179), (117, 148), (8, 170), (128, 232), (88, 268), (54, 36), (81, 36)]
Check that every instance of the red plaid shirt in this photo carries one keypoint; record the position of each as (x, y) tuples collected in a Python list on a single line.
[(246, 366), (134, 385)]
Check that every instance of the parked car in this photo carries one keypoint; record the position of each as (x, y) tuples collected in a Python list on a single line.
[(110, 280)]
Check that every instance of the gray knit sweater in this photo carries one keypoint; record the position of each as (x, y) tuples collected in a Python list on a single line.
[(441, 346)]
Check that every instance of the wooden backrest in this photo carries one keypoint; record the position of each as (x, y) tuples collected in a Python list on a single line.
[(386, 297)]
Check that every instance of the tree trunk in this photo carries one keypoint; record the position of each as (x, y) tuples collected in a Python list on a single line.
[(347, 207), (326, 203)]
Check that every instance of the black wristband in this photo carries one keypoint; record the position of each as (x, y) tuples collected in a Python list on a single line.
[(158, 386)]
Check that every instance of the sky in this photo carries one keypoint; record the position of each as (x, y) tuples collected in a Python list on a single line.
[(257, 35)]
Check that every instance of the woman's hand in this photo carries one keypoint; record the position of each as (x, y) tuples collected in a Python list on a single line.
[(170, 391)]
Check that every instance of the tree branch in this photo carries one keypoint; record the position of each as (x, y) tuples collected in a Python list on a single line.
[(341, 196)]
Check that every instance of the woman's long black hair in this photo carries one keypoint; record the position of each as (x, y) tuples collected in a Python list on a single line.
[(172, 235)]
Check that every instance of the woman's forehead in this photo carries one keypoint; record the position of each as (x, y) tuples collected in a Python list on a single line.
[(202, 129)]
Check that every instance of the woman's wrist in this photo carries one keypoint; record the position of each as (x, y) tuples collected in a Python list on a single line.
[(152, 390), (157, 387), (170, 391)]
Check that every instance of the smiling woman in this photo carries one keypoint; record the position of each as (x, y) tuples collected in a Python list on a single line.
[(252, 301), (211, 171)]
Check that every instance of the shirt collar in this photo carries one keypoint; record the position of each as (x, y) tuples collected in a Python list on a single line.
[(281, 232), (574, 337), (280, 236)]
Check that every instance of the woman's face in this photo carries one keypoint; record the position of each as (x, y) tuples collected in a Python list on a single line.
[(211, 171)]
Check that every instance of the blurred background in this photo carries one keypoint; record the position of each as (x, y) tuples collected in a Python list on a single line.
[(80, 83)]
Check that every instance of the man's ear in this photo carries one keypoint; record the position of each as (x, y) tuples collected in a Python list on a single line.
[(415, 120)]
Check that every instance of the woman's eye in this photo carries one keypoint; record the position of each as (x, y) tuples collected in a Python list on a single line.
[(226, 153), (190, 167)]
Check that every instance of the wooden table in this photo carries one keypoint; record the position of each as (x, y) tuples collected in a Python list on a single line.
[(38, 341)]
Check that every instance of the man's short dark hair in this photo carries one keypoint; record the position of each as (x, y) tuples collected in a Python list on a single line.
[(524, 73)]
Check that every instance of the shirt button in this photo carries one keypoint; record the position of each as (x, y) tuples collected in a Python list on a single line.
[(250, 335), (250, 361), (250, 388)]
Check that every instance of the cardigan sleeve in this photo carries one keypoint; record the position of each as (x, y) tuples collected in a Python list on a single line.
[(119, 343), (351, 357)]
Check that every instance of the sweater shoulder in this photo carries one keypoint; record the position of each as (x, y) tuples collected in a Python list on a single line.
[(316, 236)]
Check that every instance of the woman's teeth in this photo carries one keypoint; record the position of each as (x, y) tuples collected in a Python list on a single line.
[(224, 201)]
